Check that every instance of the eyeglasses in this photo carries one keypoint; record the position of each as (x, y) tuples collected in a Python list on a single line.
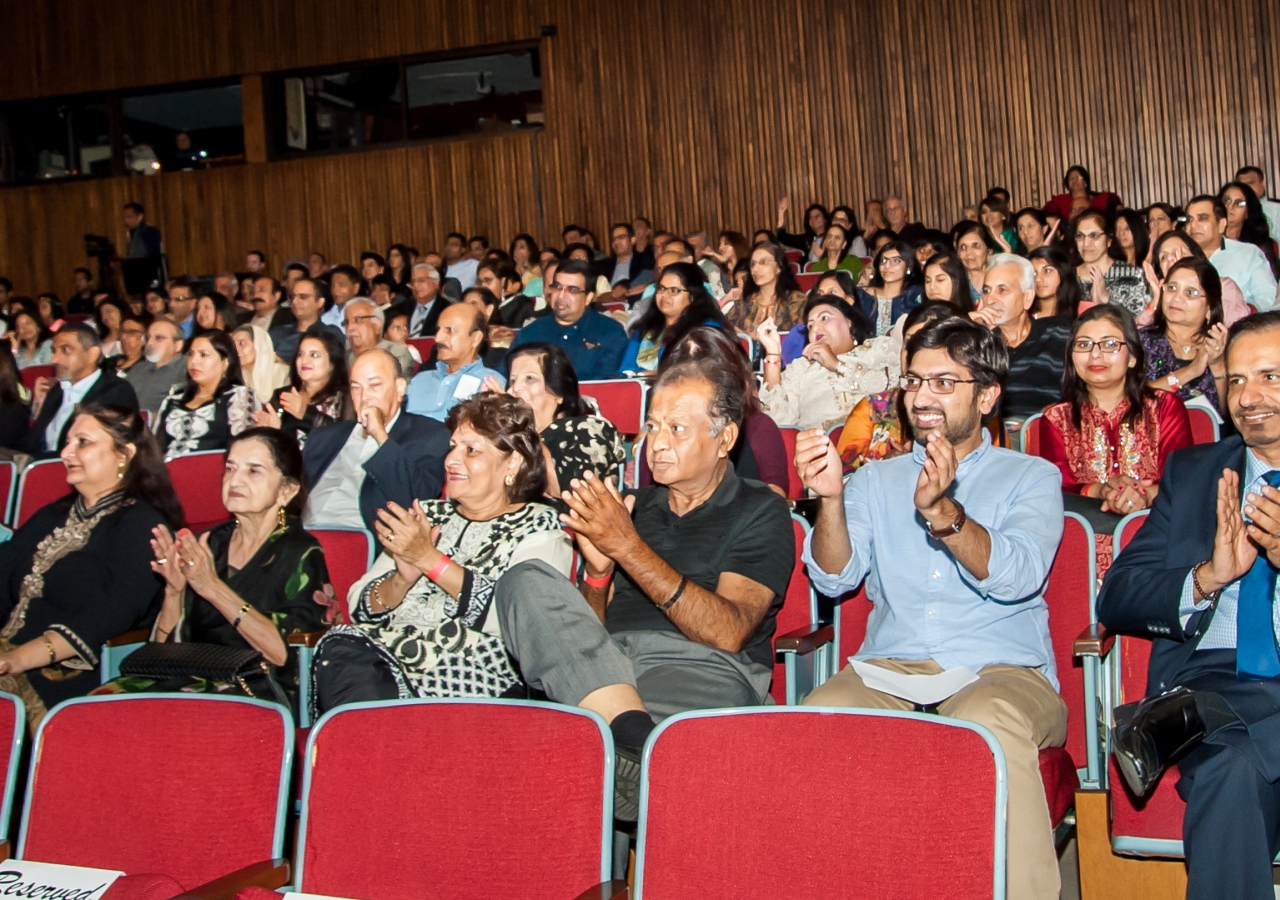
[(1172, 290), (568, 289), (912, 383), (359, 319), (1090, 236), (1242, 203), (670, 291), (1106, 345)]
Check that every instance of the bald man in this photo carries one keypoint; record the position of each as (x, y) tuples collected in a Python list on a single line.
[(386, 455), (462, 338)]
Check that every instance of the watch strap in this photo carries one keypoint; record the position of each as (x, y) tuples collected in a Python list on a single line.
[(953, 528)]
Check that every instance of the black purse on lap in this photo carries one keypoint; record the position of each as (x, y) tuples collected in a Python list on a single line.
[(212, 662)]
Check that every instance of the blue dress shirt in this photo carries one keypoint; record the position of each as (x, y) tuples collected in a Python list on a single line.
[(595, 343), (928, 606), (433, 392)]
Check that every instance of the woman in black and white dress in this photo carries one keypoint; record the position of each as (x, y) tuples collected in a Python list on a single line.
[(211, 406)]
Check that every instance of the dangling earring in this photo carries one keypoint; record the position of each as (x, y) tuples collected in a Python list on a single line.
[(280, 517), (124, 464)]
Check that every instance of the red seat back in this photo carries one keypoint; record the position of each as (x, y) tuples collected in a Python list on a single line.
[(1069, 597), (424, 346), (1031, 435), (13, 727), (31, 373), (484, 799), (8, 488), (883, 833), (836, 432), (807, 280), (795, 487), (1204, 430), (197, 480), (852, 614), (799, 607), (794, 256), (41, 483), (621, 401), (348, 554), (190, 786)]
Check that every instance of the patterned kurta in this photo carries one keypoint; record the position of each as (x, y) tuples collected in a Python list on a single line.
[(208, 427)]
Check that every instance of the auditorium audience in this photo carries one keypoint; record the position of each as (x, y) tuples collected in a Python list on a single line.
[(385, 454), (364, 325), (1186, 340), (32, 342), (15, 415), (211, 405), (681, 303), (108, 317), (894, 288), (1132, 237), (262, 372), (501, 279), (182, 304), (163, 365), (246, 584), (317, 393), (423, 623), (1161, 219), (961, 534), (133, 338), (460, 266), (462, 338), (214, 312), (1198, 583), (1104, 276), (1243, 263), (51, 311), (500, 336), (994, 213), (1058, 290), (268, 314), (625, 264), (841, 364), (78, 380), (899, 222), (344, 286), (683, 579), (1080, 196), (595, 343), (77, 573), (875, 428), (1033, 229), (810, 241), (526, 257), (1036, 348), (836, 253)]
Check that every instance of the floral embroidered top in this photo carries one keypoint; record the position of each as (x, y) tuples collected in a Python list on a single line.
[(1105, 446)]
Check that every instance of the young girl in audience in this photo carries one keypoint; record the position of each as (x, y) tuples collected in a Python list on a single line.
[(894, 287), (525, 256), (318, 391), (845, 217), (109, 316), (1132, 236), (1186, 343), (1111, 434), (214, 312), (1057, 288), (835, 252), (680, 302), (212, 406), (50, 308), (945, 280), (1104, 276), (770, 292)]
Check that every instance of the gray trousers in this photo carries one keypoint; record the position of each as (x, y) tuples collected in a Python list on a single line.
[(565, 651)]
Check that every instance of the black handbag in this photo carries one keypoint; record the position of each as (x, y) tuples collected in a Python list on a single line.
[(213, 662)]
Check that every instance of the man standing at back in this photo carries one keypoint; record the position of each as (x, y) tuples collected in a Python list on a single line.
[(595, 343), (955, 540)]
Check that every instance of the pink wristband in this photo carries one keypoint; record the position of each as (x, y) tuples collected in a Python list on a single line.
[(438, 569), (601, 582)]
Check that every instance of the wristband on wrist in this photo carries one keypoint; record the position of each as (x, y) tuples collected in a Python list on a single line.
[(438, 569), (676, 596), (601, 582), (1213, 596)]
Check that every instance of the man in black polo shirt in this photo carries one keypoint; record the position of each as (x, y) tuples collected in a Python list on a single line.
[(683, 579), (1037, 347)]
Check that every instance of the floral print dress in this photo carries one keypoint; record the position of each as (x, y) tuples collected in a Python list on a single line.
[(208, 427)]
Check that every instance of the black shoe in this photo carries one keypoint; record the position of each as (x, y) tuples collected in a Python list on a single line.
[(626, 785), (1150, 734)]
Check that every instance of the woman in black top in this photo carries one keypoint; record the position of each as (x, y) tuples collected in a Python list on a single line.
[(211, 406), (15, 415), (78, 573), (317, 394)]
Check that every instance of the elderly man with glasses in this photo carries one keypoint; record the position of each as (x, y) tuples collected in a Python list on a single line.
[(364, 323), (595, 343), (954, 540)]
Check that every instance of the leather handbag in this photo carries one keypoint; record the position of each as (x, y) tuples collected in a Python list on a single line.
[(213, 662)]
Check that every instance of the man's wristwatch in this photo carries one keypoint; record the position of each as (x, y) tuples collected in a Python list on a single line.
[(948, 530)]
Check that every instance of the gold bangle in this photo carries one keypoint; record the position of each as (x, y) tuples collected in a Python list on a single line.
[(235, 623), (53, 654)]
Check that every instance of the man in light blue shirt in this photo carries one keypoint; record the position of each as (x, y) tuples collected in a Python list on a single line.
[(461, 339), (1243, 263), (955, 541), (1257, 181)]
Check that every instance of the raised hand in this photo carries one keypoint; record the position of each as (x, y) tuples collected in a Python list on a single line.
[(822, 354), (767, 335), (294, 402), (266, 417), (1233, 552), (600, 514), (936, 476), (1264, 511), (167, 563), (818, 463)]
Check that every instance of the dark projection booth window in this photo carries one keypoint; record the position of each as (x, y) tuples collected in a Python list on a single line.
[(411, 99), (184, 129), (41, 140)]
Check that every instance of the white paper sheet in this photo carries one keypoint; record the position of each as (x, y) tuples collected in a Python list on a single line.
[(925, 690)]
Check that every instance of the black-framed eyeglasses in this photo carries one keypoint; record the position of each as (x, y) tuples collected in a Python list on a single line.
[(1106, 345), (568, 289), (912, 383)]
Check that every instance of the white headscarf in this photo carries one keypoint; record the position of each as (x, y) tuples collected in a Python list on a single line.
[(268, 372)]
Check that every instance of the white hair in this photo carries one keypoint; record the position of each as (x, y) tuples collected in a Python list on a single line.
[(373, 309), (431, 270), (1027, 272)]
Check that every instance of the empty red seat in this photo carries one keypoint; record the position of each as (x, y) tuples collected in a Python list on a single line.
[(197, 480), (621, 401), (31, 373), (795, 487), (41, 483)]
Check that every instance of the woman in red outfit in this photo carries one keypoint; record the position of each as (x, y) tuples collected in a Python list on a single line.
[(1079, 197), (1111, 435)]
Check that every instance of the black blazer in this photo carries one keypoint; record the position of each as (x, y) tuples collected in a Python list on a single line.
[(427, 327), (108, 390), (1143, 588), (408, 467)]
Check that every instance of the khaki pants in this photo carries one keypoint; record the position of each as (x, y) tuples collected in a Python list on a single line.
[(1025, 713)]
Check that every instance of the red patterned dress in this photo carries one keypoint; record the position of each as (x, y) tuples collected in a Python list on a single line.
[(1106, 446)]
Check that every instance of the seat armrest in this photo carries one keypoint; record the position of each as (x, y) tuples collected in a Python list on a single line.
[(1096, 640), (5, 850), (609, 890), (137, 636), (269, 874), (305, 638), (805, 640)]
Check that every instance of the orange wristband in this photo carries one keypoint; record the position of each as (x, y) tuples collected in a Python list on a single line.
[(601, 582), (438, 569)]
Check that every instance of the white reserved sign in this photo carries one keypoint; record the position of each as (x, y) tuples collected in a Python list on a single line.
[(47, 881)]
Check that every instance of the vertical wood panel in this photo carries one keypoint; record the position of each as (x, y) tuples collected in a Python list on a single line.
[(698, 116)]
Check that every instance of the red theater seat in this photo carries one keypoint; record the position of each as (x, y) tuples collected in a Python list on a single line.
[(197, 480), (621, 401), (41, 483)]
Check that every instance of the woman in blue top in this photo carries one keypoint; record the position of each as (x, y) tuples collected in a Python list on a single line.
[(681, 302)]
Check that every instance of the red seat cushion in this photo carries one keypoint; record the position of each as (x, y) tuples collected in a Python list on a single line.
[(1157, 815), (253, 893), (143, 887), (1058, 772)]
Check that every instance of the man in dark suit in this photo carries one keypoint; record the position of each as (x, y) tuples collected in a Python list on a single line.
[(386, 455), (1199, 578), (427, 304), (77, 363)]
